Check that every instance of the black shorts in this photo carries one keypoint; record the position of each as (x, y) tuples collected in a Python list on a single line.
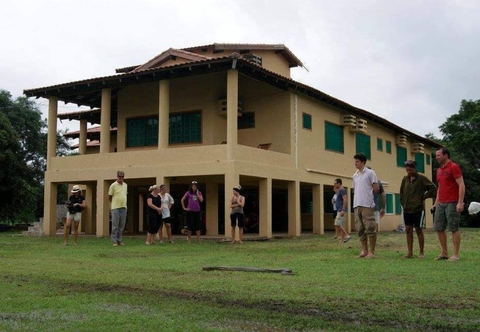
[(415, 219), (193, 221), (154, 222), (166, 220), (240, 217)]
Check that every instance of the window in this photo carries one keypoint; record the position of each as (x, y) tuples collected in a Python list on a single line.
[(247, 120), (398, 206), (307, 121), (185, 127), (379, 144), (420, 159), (333, 137), (142, 132), (362, 142), (388, 147), (389, 201), (428, 159), (401, 156)]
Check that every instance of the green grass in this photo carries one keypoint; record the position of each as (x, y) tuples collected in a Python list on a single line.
[(96, 287)]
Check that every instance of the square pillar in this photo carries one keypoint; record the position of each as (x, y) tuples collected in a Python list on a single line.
[(163, 113), (103, 209), (231, 180), (50, 209), (265, 207), (318, 217), (211, 208), (294, 218), (88, 221), (105, 121)]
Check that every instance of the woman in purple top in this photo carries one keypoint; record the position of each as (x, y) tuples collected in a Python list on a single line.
[(191, 204)]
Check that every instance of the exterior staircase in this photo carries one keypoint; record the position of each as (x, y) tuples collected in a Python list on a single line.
[(35, 230)]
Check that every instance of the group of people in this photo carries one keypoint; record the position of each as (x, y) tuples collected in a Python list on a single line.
[(368, 203), (414, 189)]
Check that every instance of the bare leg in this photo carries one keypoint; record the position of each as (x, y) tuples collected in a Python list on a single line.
[(160, 233), (189, 235), (409, 234), (421, 242), (373, 242), (66, 231), (339, 234), (364, 248), (75, 231), (233, 235), (456, 243), (240, 234), (168, 228), (442, 238), (198, 236)]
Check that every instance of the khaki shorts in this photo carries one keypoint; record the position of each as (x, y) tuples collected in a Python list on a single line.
[(77, 216), (340, 220), (446, 217), (364, 222)]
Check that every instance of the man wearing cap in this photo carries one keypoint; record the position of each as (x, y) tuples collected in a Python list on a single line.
[(449, 203), (117, 195), (414, 189), (75, 204)]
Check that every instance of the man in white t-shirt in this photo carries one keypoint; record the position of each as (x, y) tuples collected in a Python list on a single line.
[(365, 185)]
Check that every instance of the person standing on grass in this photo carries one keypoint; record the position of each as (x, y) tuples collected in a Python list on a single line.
[(191, 204), (237, 202), (414, 189), (365, 185), (76, 202), (341, 205), (448, 204), (167, 202), (334, 199), (154, 204), (117, 195)]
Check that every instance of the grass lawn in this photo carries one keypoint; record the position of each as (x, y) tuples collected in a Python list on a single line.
[(45, 286)]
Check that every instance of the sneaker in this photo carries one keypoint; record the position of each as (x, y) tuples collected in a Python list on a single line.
[(147, 243), (115, 244)]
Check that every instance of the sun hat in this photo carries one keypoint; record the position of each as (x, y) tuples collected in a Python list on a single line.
[(75, 189)]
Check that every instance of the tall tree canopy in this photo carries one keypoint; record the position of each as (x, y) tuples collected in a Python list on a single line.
[(462, 137), (23, 149)]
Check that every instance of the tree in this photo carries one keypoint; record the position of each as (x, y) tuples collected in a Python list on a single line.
[(23, 150), (462, 137)]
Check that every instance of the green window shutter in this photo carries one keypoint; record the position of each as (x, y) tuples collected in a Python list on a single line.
[(389, 201), (398, 206), (401, 156), (428, 159), (379, 144), (307, 121), (388, 147), (333, 137), (185, 127), (142, 132), (420, 160), (362, 143)]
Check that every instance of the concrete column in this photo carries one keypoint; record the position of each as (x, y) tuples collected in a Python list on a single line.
[(52, 131), (232, 112), (82, 140), (163, 113), (294, 217), (318, 216), (103, 209), (87, 214), (106, 111), (265, 207), (50, 208), (211, 208)]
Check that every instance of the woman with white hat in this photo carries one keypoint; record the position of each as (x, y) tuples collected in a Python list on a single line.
[(75, 204)]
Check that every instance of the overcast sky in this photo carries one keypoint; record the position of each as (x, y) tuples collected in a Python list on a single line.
[(408, 61)]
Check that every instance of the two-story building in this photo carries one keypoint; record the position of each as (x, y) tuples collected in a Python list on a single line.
[(222, 114)]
